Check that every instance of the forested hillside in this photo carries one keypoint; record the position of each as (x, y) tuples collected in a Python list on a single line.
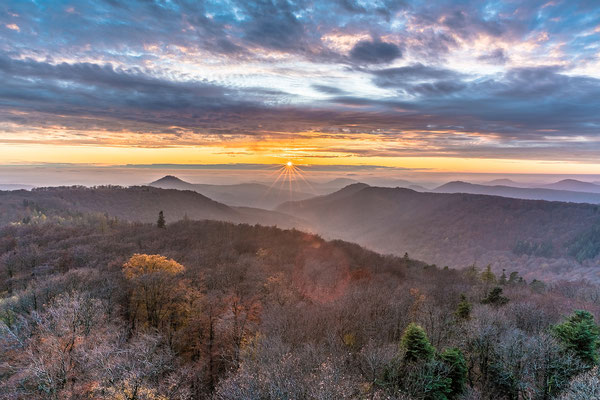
[(96, 308), (557, 239), (138, 203)]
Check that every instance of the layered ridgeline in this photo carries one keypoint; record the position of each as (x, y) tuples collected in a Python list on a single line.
[(574, 185), (256, 194), (271, 195), (554, 239), (139, 203), (243, 194), (103, 309), (567, 191)]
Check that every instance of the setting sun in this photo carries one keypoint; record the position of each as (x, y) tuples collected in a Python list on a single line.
[(289, 164)]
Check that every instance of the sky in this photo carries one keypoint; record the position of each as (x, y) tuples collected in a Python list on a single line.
[(507, 86)]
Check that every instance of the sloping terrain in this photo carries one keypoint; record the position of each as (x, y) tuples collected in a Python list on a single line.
[(208, 310), (461, 229), (140, 204)]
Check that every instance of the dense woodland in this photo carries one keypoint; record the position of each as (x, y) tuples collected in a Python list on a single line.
[(94, 307)]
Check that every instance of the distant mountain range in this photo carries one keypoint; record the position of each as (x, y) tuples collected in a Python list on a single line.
[(574, 185), (506, 182), (269, 196), (243, 194), (397, 183), (457, 229), (521, 193)]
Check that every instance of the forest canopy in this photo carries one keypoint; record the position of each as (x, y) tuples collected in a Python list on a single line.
[(95, 307)]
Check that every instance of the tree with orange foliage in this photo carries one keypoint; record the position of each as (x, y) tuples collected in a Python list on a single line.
[(156, 289)]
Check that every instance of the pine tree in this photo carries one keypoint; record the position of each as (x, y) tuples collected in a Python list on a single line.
[(455, 361), (580, 334), (472, 272), (463, 311), (417, 345), (503, 281), (488, 276), (495, 298), (513, 278), (161, 220)]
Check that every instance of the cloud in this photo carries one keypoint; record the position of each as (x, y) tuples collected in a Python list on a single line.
[(420, 80), (273, 25), (262, 167), (496, 56), (188, 73), (375, 52), (328, 89), (399, 77)]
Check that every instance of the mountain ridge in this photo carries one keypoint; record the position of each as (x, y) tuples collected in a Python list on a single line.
[(136, 204), (457, 228), (256, 195), (519, 193)]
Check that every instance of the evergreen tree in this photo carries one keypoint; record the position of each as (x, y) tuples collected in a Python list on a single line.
[(488, 276), (503, 281), (580, 334), (161, 220), (472, 272), (495, 297), (435, 380), (537, 286), (457, 366), (417, 345), (515, 279), (463, 311)]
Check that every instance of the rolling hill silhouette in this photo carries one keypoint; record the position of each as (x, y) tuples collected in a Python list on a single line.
[(455, 229), (243, 194), (519, 193)]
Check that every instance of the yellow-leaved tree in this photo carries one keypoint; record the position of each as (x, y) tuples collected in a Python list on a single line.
[(156, 289)]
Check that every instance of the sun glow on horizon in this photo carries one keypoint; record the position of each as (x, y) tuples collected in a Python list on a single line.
[(291, 178)]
